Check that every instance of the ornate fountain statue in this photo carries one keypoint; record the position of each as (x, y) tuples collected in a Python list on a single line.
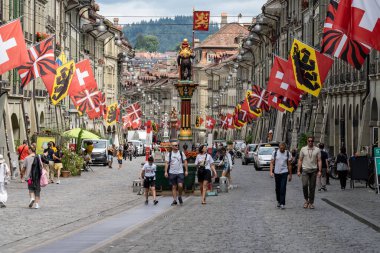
[(184, 60)]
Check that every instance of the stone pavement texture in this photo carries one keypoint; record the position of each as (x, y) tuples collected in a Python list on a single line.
[(76, 202), (246, 220)]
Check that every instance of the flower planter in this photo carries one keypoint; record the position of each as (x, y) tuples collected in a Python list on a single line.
[(65, 173)]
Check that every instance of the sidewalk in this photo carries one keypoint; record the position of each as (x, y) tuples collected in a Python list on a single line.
[(74, 203), (360, 201)]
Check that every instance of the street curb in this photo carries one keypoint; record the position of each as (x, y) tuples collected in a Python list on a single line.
[(365, 220)]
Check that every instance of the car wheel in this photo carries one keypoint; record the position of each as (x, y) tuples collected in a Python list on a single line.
[(258, 169), (242, 161)]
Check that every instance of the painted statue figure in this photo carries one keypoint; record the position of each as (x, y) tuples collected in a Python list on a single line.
[(184, 60)]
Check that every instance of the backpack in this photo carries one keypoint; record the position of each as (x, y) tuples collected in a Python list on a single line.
[(170, 159), (275, 155)]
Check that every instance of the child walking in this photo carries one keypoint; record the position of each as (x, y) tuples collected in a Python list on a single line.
[(120, 157), (148, 172)]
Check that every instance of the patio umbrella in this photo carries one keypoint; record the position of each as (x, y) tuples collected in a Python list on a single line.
[(74, 133)]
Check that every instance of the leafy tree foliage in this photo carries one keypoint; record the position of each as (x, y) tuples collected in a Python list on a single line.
[(169, 32), (147, 43)]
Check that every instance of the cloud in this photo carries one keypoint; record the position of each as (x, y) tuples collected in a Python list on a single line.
[(137, 10)]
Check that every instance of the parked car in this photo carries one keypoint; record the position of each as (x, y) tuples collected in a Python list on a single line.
[(247, 155), (99, 153), (263, 155)]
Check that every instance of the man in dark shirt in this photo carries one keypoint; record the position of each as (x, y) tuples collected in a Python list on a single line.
[(48, 153), (321, 181)]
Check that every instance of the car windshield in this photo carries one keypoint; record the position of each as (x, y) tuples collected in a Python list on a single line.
[(99, 144), (266, 151), (251, 147)]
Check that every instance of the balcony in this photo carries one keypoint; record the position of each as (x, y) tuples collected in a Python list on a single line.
[(50, 24)]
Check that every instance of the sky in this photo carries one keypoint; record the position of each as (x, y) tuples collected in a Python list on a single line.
[(150, 9)]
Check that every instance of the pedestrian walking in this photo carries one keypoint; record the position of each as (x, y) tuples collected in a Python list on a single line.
[(125, 151), (33, 173), (311, 163), (342, 167), (119, 157), (57, 158), (4, 173), (227, 165), (22, 151), (294, 161), (205, 164), (281, 170), (148, 173), (176, 171), (321, 180), (48, 153), (110, 152)]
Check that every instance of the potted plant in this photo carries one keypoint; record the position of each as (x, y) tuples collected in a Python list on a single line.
[(190, 156), (72, 163)]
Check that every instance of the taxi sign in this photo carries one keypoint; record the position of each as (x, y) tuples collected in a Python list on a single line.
[(268, 145)]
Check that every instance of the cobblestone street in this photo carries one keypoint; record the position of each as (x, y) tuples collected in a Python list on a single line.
[(243, 220), (246, 220), (76, 202)]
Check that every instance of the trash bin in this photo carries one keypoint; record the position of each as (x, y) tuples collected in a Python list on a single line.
[(223, 186), (162, 183)]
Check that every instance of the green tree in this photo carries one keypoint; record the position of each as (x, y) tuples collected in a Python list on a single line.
[(148, 43)]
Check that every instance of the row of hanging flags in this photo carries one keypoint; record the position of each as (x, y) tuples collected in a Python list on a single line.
[(61, 77), (351, 30)]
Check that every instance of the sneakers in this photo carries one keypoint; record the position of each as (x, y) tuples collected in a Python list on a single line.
[(174, 203), (37, 206), (146, 202), (180, 200), (59, 181), (31, 203), (282, 207), (324, 188), (155, 202), (2, 205)]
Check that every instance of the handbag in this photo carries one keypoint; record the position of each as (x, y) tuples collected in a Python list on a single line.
[(44, 180), (341, 167)]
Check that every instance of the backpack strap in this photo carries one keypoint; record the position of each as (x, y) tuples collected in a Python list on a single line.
[(180, 152)]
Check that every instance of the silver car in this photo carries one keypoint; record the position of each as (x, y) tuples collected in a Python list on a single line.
[(263, 157)]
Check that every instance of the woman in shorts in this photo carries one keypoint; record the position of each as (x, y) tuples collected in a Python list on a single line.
[(205, 164), (120, 157)]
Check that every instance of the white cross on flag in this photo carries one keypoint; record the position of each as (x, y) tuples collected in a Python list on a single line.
[(83, 78), (134, 111), (363, 19), (223, 122), (281, 80), (210, 122), (230, 121), (13, 52)]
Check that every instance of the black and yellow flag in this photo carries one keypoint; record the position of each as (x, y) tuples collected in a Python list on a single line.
[(62, 81), (111, 116)]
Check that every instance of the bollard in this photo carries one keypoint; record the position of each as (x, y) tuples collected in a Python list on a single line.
[(136, 185), (223, 184)]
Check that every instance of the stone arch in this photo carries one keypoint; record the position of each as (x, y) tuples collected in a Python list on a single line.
[(15, 127), (374, 110), (109, 129), (215, 137), (113, 129), (350, 146), (343, 127)]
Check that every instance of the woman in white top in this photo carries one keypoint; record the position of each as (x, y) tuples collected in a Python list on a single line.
[(204, 164), (4, 172)]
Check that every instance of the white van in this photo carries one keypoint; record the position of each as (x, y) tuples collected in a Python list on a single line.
[(99, 153)]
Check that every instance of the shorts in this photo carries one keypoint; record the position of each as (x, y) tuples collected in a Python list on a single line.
[(204, 175), (58, 166), (110, 158), (149, 182), (21, 165), (120, 161), (176, 179)]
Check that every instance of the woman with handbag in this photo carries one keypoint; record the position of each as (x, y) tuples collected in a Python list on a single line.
[(205, 164), (33, 165), (342, 167)]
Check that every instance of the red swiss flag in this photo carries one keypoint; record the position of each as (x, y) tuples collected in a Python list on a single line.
[(281, 80), (210, 122), (230, 121), (83, 78), (13, 51), (362, 17)]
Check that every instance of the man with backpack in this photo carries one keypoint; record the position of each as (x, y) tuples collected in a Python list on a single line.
[(281, 170), (175, 162)]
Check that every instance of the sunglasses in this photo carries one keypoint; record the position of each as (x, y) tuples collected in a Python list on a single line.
[(310, 141)]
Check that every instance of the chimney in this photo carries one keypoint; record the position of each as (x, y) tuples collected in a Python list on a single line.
[(223, 19)]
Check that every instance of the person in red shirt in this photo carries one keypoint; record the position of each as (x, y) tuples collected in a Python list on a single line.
[(23, 152)]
